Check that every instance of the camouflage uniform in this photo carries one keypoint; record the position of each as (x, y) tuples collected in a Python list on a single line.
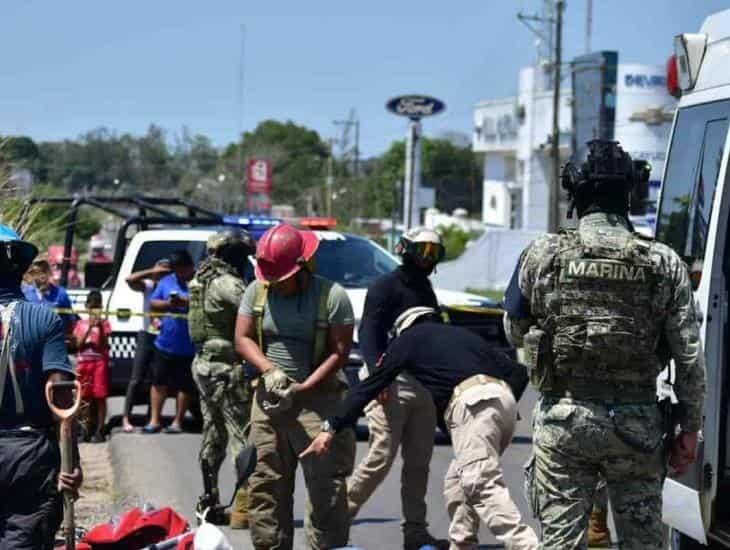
[(219, 375), (600, 300)]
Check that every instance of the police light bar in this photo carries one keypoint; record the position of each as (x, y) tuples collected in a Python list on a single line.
[(248, 222), (318, 222), (690, 51)]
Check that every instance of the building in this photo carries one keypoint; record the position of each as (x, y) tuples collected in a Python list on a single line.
[(625, 102)]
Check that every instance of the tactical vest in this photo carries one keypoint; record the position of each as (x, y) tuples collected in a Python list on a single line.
[(205, 331), (600, 307), (321, 329)]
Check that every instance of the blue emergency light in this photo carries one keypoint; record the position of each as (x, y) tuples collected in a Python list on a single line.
[(255, 225)]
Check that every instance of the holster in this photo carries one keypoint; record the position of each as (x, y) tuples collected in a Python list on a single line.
[(539, 358)]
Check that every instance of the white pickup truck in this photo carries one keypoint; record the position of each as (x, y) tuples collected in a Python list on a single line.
[(352, 261)]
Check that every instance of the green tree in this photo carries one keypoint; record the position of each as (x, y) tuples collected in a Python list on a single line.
[(297, 154)]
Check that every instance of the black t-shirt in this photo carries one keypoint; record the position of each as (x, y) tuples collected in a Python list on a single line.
[(440, 357), (386, 299)]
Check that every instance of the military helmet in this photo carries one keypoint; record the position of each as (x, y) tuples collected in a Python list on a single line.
[(230, 237), (607, 169), (423, 244)]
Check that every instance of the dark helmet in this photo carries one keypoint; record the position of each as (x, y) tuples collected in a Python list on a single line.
[(17, 254), (608, 170)]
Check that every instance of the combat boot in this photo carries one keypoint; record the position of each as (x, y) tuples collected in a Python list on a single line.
[(239, 512), (598, 533)]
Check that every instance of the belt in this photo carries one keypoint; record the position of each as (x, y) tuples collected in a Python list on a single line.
[(602, 392), (24, 431), (472, 381)]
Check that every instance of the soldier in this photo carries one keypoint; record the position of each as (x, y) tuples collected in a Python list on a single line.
[(215, 294), (590, 306)]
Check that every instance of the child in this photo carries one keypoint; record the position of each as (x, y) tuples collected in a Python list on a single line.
[(92, 359)]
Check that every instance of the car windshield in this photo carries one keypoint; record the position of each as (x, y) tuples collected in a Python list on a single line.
[(352, 262)]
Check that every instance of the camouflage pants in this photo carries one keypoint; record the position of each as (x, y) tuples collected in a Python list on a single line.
[(226, 408), (578, 441)]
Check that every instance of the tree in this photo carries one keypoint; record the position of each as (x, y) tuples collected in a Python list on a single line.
[(297, 154)]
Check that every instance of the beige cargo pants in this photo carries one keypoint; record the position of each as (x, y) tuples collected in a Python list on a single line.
[(481, 421), (406, 420), (279, 440)]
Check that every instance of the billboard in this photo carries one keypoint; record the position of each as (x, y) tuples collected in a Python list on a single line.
[(259, 178), (259, 184), (594, 99)]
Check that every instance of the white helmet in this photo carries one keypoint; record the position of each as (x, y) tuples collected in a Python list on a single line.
[(421, 243), (409, 316)]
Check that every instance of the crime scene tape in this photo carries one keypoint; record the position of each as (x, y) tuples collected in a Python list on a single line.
[(119, 313)]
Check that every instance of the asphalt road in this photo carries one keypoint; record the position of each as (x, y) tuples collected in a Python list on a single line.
[(162, 469)]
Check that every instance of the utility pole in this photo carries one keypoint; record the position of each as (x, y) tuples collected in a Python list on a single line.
[(589, 24), (330, 178), (554, 185), (350, 154), (357, 148)]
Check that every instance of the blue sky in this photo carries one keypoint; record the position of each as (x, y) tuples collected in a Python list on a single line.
[(71, 66)]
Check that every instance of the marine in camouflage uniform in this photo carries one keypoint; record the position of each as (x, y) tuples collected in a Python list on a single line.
[(215, 294), (591, 306)]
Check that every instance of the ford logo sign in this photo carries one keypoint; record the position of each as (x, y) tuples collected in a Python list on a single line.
[(415, 106)]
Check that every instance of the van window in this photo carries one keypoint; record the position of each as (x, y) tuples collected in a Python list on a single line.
[(693, 166), (151, 251)]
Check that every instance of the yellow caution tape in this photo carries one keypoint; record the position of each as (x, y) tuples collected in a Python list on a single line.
[(477, 309), (120, 313)]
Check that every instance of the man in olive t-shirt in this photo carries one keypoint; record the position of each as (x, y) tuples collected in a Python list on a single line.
[(296, 329), (289, 323)]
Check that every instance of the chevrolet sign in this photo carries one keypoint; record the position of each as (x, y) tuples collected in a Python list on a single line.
[(415, 106)]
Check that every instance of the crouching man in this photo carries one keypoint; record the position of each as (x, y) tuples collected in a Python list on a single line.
[(475, 390)]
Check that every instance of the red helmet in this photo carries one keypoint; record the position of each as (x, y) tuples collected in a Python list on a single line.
[(282, 250)]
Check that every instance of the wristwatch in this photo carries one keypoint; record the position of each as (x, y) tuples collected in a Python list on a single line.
[(327, 427)]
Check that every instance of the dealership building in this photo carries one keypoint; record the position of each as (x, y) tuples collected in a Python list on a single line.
[(600, 98)]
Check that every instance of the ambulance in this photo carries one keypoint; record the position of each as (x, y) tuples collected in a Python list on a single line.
[(692, 217)]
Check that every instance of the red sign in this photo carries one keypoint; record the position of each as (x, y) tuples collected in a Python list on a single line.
[(259, 176)]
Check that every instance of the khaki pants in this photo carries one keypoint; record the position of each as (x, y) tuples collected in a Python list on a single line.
[(407, 420), (279, 440), (481, 421)]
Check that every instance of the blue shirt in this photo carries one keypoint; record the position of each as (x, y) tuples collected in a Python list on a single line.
[(174, 336), (39, 348), (55, 297)]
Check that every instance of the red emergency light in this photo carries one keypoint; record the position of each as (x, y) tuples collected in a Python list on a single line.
[(673, 77), (318, 222)]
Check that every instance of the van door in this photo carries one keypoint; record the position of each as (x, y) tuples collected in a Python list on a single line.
[(693, 220)]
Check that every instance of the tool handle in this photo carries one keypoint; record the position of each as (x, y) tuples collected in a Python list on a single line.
[(67, 466), (63, 414)]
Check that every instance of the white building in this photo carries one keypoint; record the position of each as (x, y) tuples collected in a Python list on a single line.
[(514, 135)]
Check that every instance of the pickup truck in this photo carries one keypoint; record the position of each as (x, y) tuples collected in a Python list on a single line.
[(350, 260)]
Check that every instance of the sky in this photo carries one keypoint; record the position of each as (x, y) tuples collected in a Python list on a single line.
[(68, 67)]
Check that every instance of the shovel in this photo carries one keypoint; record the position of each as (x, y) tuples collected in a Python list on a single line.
[(245, 465), (67, 450)]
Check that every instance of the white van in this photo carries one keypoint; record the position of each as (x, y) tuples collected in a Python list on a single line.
[(693, 219)]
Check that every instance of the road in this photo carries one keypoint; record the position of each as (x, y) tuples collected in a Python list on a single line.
[(162, 469)]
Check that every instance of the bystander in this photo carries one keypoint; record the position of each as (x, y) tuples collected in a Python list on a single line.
[(174, 351)]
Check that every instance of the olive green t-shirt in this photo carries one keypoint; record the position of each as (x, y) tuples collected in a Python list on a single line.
[(289, 323)]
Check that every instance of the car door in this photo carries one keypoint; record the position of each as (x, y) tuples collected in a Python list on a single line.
[(692, 219)]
